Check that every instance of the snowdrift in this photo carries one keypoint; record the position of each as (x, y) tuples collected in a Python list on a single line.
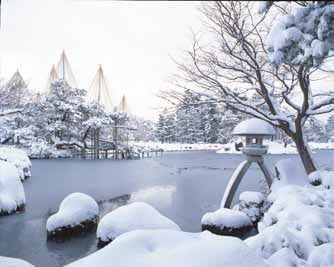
[(166, 248)]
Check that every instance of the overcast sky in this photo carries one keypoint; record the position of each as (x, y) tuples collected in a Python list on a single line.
[(134, 42)]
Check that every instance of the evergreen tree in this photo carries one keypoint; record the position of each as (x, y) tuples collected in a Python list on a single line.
[(15, 93)]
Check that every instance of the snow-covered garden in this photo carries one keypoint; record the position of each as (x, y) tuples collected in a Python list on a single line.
[(255, 87)]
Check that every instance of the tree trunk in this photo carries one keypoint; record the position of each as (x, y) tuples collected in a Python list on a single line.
[(304, 153)]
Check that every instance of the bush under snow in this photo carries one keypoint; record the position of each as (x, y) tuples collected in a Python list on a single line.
[(19, 158), (12, 197), (135, 216), (75, 209), (299, 221), (166, 248)]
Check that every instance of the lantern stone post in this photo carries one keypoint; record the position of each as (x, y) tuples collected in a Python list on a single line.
[(254, 130)]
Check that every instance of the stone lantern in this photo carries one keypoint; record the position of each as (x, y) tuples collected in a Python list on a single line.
[(254, 130)]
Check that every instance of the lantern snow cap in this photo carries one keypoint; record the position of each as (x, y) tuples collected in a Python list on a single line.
[(255, 130)]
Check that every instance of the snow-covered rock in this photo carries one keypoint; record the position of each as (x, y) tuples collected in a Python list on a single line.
[(77, 212), (166, 248), (19, 158), (12, 262), (300, 219), (227, 222), (254, 126), (134, 216), (226, 218), (12, 197)]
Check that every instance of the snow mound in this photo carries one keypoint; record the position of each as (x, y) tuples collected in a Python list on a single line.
[(254, 126), (300, 219), (73, 210), (12, 262), (166, 248), (19, 158), (325, 178), (289, 172), (226, 218), (322, 255), (12, 197), (135, 216)]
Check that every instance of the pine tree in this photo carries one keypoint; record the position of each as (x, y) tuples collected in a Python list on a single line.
[(15, 93)]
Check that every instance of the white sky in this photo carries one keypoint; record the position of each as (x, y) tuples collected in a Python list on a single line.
[(134, 42)]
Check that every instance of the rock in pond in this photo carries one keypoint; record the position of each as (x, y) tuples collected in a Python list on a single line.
[(135, 216), (227, 222), (77, 214), (12, 197)]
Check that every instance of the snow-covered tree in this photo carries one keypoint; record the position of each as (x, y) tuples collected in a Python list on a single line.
[(232, 61), (15, 93)]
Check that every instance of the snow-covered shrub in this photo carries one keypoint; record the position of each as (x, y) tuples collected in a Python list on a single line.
[(135, 216), (12, 197), (19, 158), (78, 212), (300, 219), (325, 178), (43, 150), (13, 262), (252, 204), (322, 255), (166, 248)]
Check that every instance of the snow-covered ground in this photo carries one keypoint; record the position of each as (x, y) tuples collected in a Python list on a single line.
[(165, 248), (12, 195), (143, 146), (73, 210), (12, 262), (273, 148), (19, 158), (135, 216)]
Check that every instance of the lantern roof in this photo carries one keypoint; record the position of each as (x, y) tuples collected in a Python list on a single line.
[(254, 127)]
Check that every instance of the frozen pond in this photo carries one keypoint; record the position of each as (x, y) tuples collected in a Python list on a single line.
[(182, 186)]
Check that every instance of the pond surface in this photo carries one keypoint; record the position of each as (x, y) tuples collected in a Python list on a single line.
[(182, 186)]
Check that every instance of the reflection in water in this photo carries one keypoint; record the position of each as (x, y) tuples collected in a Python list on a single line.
[(182, 186)]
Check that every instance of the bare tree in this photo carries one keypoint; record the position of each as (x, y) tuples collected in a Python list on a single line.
[(229, 63)]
